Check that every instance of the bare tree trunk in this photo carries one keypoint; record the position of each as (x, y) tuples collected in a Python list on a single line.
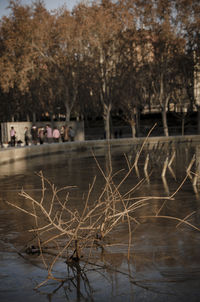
[(34, 117), (106, 116), (70, 103), (163, 104), (104, 97), (164, 120), (137, 122), (27, 117), (67, 112), (67, 107), (133, 127)]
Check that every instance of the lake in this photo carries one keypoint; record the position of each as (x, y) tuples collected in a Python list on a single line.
[(164, 262)]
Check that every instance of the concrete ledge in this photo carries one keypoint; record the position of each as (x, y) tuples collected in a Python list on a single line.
[(11, 154)]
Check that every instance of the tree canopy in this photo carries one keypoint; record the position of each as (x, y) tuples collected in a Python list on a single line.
[(99, 58)]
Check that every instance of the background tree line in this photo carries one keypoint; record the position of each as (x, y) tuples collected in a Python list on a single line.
[(101, 58)]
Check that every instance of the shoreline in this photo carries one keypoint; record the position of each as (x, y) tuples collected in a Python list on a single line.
[(11, 154)]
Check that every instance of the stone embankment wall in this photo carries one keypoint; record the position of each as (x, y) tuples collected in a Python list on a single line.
[(10, 154)]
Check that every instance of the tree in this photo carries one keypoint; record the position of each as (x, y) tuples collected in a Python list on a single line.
[(167, 46), (134, 89), (102, 25), (189, 22), (20, 63)]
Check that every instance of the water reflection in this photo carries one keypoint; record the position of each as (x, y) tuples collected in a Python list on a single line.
[(164, 263)]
